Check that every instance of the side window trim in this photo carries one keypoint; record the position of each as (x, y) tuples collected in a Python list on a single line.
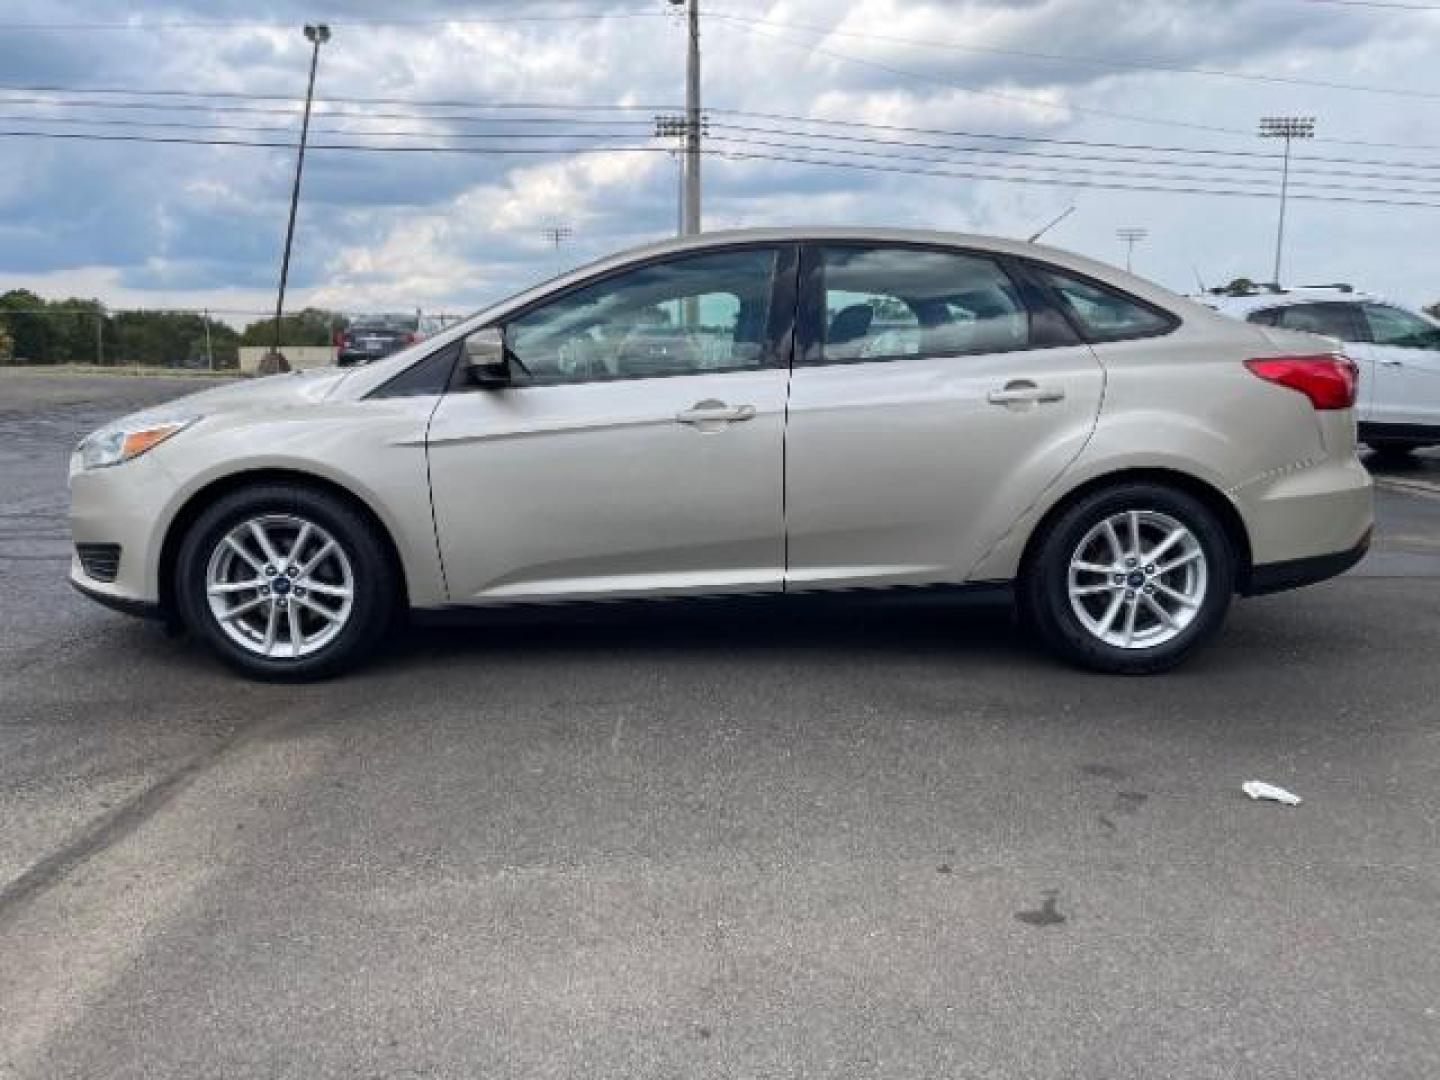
[(810, 321), (779, 330)]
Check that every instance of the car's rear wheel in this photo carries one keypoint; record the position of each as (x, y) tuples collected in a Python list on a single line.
[(285, 581), (1130, 579)]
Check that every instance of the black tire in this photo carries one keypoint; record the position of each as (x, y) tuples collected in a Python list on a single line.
[(374, 578), (1044, 595)]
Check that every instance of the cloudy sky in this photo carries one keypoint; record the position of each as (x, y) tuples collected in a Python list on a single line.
[(1088, 96)]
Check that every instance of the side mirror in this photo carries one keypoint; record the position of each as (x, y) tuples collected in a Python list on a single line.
[(486, 360)]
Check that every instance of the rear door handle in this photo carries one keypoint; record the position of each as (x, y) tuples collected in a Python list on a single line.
[(1392, 363), (711, 412), (1023, 392)]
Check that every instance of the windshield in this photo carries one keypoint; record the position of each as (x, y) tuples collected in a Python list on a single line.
[(384, 321)]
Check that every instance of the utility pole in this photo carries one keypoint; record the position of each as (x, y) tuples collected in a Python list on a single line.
[(690, 224), (678, 127), (209, 352), (1131, 235), (317, 35), (1288, 128)]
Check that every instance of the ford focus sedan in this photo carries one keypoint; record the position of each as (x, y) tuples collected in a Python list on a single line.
[(774, 411)]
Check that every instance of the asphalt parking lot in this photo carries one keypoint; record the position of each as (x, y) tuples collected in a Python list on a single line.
[(824, 839)]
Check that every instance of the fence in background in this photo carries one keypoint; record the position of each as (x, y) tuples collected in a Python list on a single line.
[(182, 338)]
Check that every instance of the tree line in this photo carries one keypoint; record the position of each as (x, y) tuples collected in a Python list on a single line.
[(83, 331)]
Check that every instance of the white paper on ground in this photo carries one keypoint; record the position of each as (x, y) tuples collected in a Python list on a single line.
[(1258, 789)]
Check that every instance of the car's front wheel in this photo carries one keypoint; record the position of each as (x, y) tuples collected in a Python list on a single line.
[(1130, 579), (285, 581)]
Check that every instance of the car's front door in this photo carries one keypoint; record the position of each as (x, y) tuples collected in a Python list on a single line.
[(639, 447), (1405, 351), (929, 406)]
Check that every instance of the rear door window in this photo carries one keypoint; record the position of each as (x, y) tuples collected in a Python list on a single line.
[(1331, 320), (887, 303)]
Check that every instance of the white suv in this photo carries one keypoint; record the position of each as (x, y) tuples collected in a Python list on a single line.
[(1397, 350)]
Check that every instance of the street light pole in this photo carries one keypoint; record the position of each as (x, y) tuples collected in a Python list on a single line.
[(1131, 236), (1288, 128), (317, 35)]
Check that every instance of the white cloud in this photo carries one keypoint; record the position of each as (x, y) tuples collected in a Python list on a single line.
[(202, 226)]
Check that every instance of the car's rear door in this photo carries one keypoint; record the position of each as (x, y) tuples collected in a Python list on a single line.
[(933, 399), (639, 451)]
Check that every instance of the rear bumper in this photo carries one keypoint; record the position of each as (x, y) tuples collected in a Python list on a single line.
[(1295, 573)]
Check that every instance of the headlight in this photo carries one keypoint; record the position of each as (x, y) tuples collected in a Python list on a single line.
[(116, 445)]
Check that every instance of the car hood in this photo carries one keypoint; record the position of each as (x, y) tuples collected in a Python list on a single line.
[(293, 390)]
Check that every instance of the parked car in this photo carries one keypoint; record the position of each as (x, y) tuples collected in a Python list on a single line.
[(375, 336), (1123, 459), (1397, 350)]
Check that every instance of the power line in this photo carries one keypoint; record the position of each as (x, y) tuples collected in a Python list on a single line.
[(363, 114), (1024, 99), (179, 140), (1389, 5), (346, 23), (1068, 181), (1056, 141), (1103, 186), (238, 95), (1071, 171), (652, 108), (1269, 169), (587, 121), (1030, 100), (1083, 160), (277, 130), (1071, 58)]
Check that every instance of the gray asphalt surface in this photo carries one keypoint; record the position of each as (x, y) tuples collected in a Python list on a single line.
[(828, 839)]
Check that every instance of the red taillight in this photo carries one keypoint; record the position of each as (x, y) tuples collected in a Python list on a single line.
[(338, 339), (1329, 381), (412, 337)]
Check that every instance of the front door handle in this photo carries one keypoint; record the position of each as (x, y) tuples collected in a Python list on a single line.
[(1024, 392), (711, 414)]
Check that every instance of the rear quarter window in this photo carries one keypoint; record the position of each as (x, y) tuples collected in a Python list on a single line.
[(1102, 312)]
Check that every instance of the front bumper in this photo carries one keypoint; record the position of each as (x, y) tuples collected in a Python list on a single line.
[(143, 609), (125, 505)]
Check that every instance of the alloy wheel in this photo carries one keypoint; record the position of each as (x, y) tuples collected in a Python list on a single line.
[(280, 586), (1137, 579)]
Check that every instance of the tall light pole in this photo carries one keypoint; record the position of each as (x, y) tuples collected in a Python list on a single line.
[(690, 223), (1132, 236), (317, 35), (1288, 128)]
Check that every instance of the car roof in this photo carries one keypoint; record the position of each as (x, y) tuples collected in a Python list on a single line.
[(1137, 286), (1267, 299)]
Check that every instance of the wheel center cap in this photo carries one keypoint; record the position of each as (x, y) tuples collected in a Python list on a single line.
[(280, 584), (1135, 580)]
